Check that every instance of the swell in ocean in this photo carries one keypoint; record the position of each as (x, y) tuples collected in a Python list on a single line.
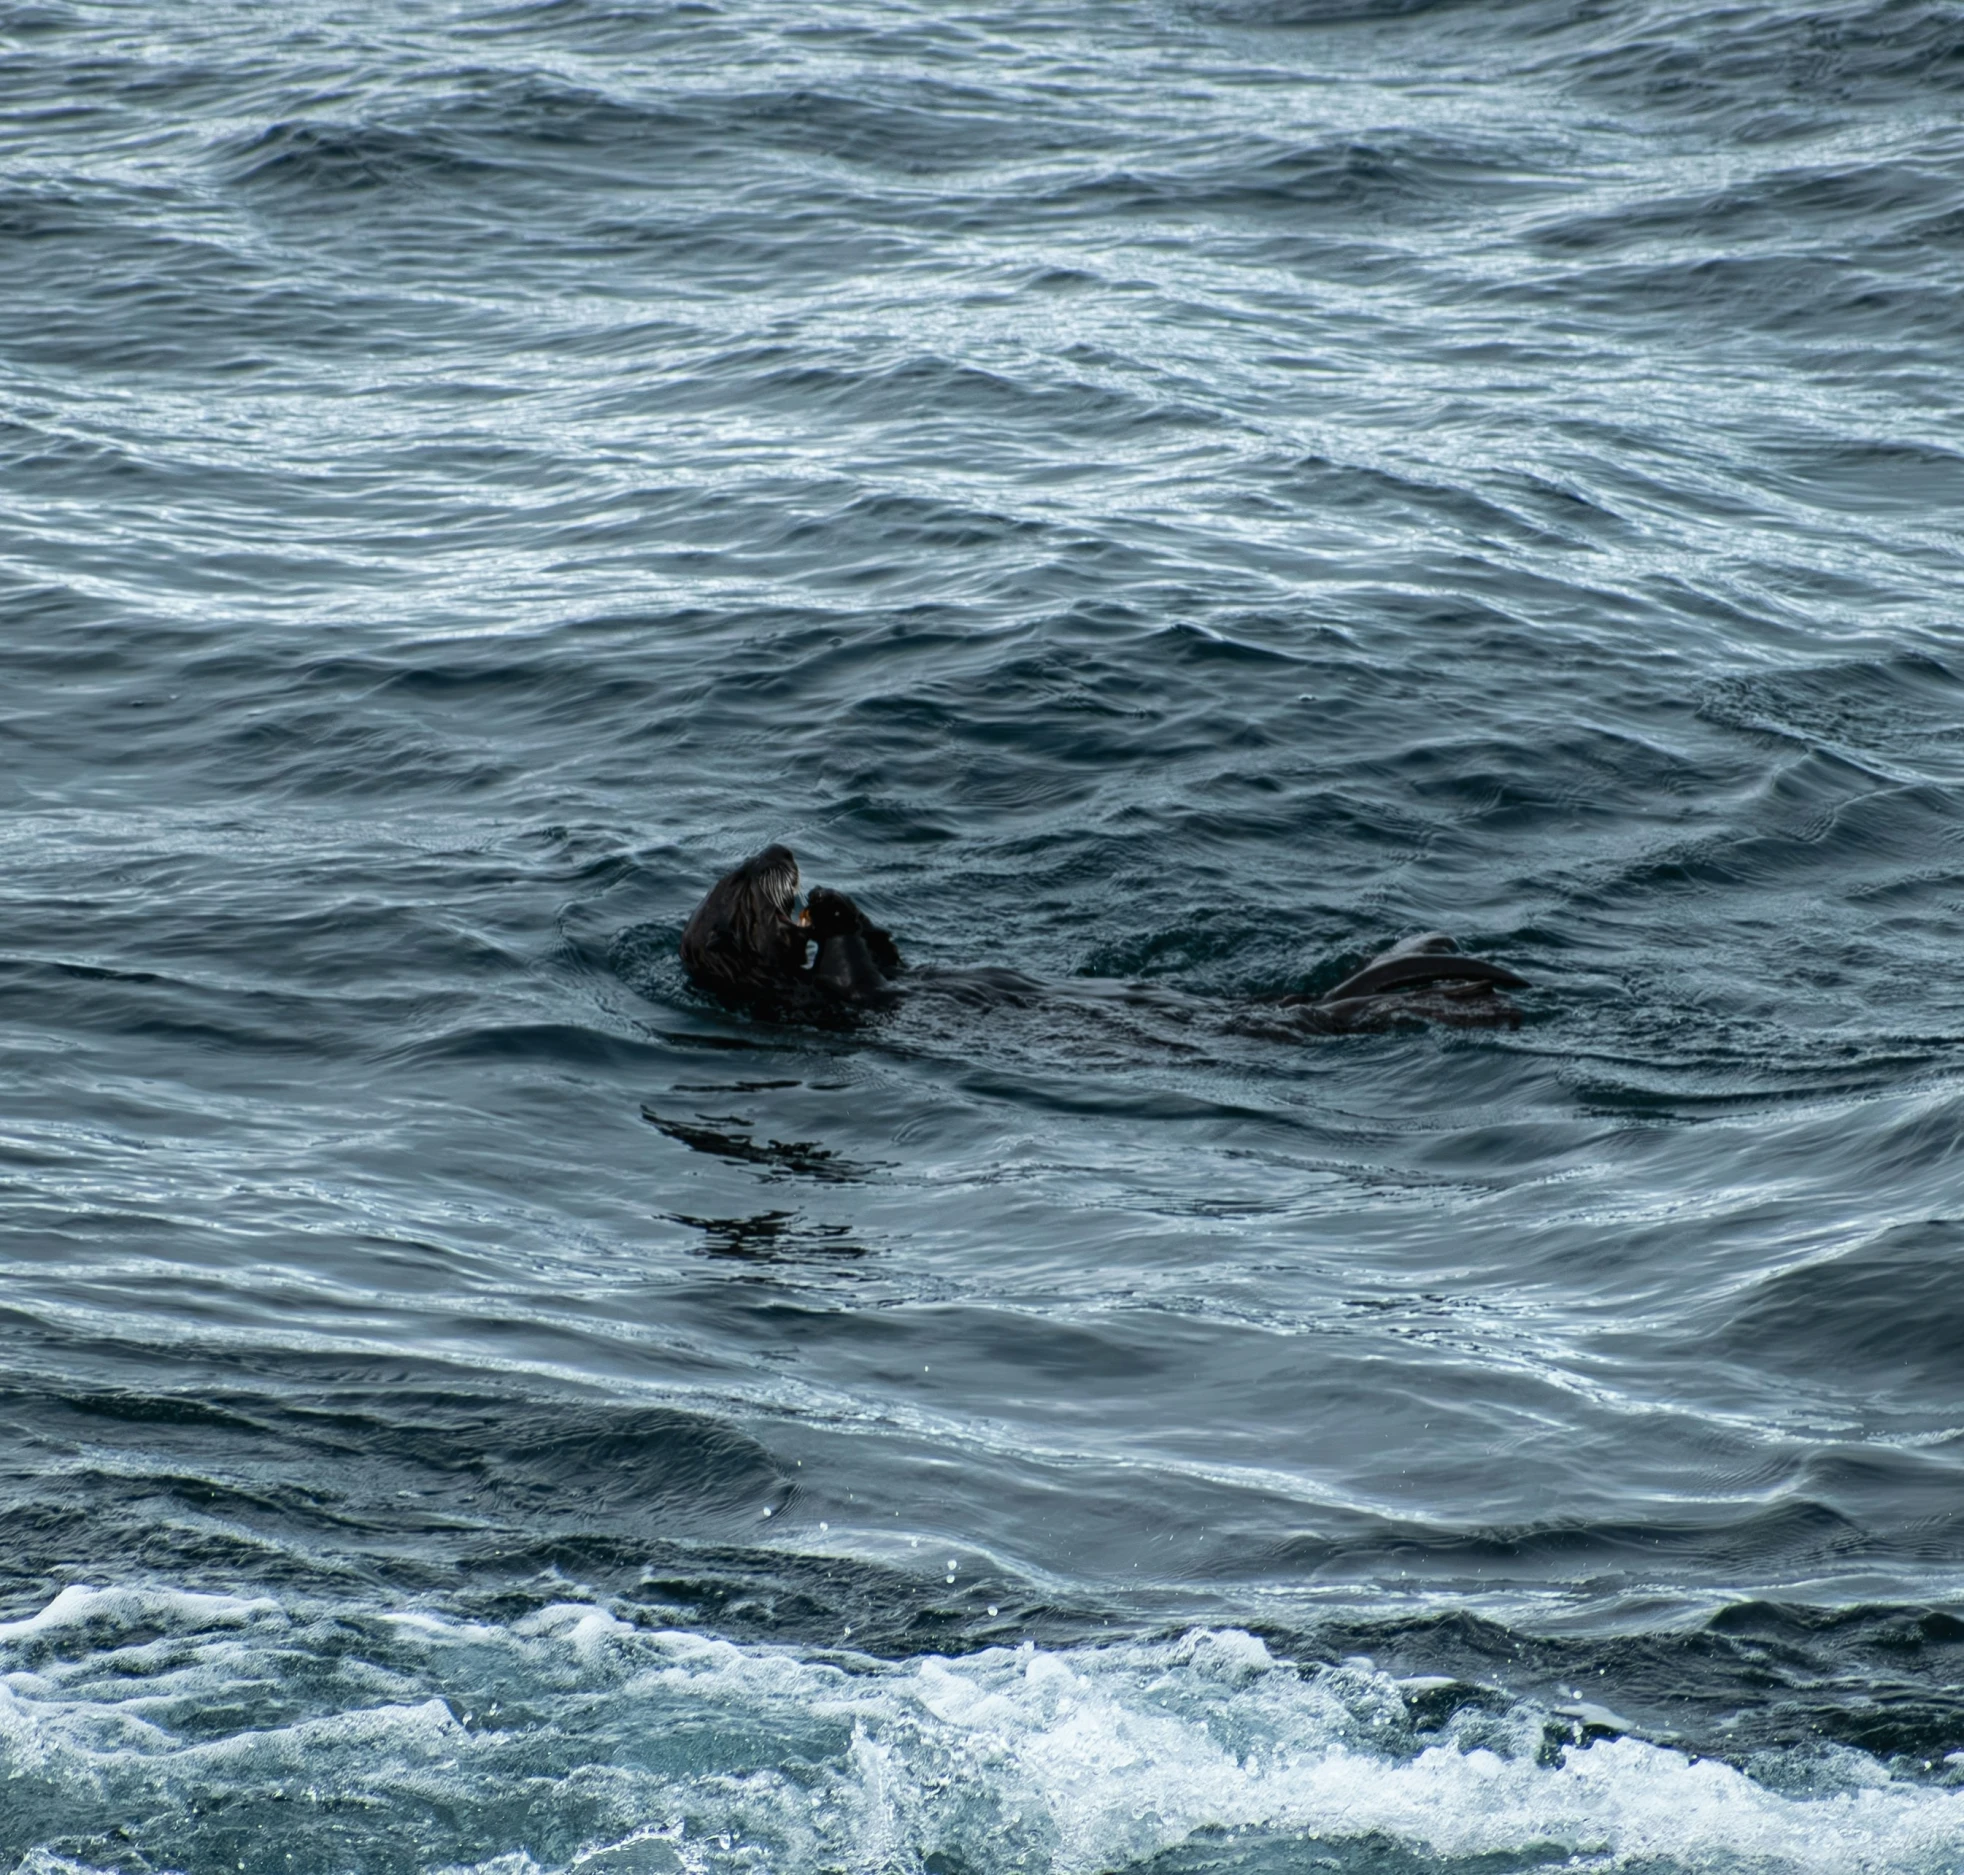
[(1165, 501)]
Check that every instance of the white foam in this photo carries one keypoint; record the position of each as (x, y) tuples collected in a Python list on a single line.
[(700, 1755), (1104, 1756), (172, 1610)]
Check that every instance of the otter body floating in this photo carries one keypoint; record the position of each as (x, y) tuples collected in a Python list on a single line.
[(750, 943)]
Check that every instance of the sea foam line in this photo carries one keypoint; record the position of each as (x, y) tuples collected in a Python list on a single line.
[(711, 1755)]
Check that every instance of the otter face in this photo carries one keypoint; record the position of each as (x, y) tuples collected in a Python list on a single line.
[(831, 914), (741, 942)]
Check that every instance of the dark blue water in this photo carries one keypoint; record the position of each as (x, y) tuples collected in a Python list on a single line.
[(1162, 497)]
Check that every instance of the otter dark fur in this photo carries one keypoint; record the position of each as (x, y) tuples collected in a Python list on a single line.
[(1421, 979), (856, 959), (747, 945), (743, 944)]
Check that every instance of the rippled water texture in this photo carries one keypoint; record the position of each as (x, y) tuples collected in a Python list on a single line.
[(1161, 498)]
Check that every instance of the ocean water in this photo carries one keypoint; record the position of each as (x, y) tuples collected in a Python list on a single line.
[(1161, 496)]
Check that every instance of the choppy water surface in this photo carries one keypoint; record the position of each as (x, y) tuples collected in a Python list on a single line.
[(1149, 495)]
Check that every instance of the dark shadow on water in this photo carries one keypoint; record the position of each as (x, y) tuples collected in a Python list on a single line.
[(778, 1158), (772, 1237)]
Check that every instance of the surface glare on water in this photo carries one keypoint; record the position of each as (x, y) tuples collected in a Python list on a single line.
[(1165, 499)]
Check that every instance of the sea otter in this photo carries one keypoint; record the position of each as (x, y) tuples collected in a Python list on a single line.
[(751, 943)]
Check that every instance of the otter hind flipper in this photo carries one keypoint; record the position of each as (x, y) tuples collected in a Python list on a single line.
[(1424, 979), (1431, 957)]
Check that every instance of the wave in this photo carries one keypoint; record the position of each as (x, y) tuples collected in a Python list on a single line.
[(1883, 1315), (1769, 70), (568, 1739)]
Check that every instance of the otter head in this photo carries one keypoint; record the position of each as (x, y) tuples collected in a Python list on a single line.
[(831, 914), (743, 941), (855, 957), (771, 877)]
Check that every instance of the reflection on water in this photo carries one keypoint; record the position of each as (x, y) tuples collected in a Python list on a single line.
[(773, 1237)]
